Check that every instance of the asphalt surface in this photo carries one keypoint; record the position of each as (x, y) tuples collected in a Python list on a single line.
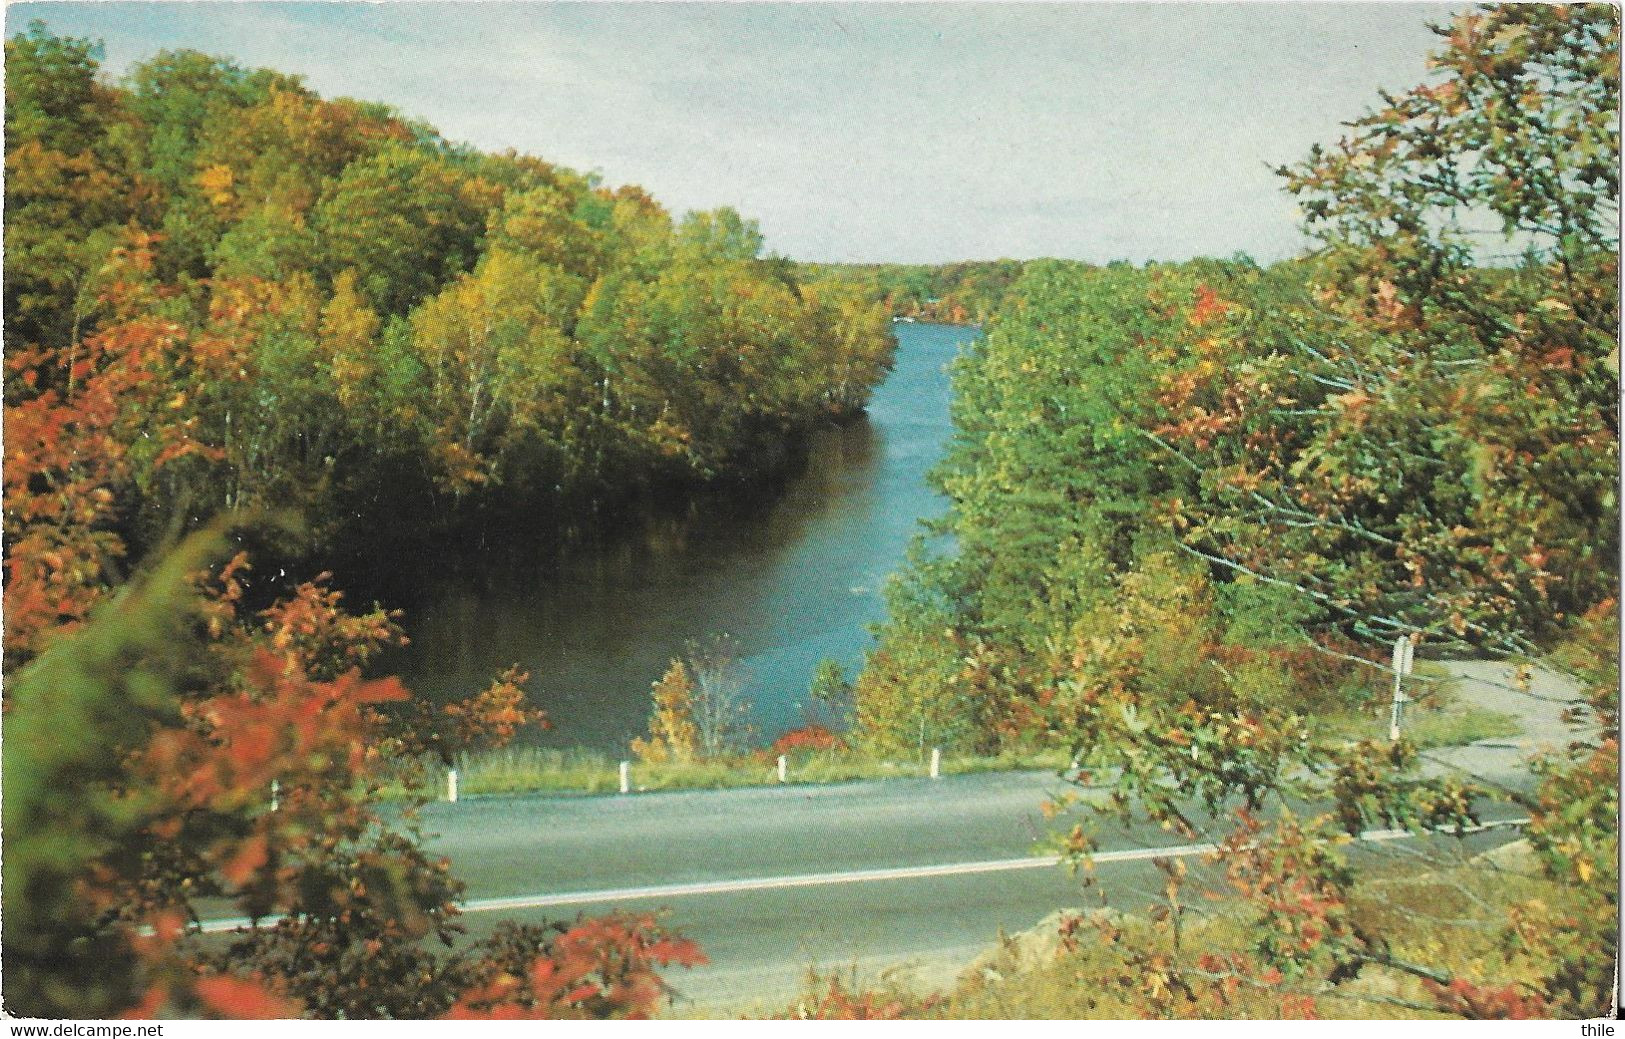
[(762, 938), (761, 942), (775, 881), (1539, 703)]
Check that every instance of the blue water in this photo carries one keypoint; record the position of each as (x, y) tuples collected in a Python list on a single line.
[(792, 583)]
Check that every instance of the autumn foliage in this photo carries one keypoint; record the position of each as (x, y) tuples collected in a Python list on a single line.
[(1193, 505)]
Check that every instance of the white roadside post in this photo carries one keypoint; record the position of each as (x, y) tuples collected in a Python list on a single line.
[(784, 768), (451, 785), (276, 801), (936, 762), (626, 777), (1404, 652)]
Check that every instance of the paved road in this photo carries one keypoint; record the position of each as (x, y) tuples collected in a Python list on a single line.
[(1538, 704), (764, 940), (763, 935)]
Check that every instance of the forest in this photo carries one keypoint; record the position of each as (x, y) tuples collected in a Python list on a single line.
[(238, 314), (340, 312), (1194, 505), (1191, 508)]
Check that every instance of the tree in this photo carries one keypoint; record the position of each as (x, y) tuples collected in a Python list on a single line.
[(718, 234), (1459, 411), (829, 686), (718, 707), (67, 188), (1423, 447), (498, 361), (186, 712), (672, 732), (405, 221)]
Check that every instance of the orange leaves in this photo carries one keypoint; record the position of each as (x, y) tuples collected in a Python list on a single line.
[(673, 736), (1389, 307), (1354, 405), (253, 854), (492, 717), (311, 627), (598, 967), (1208, 307), (838, 1002)]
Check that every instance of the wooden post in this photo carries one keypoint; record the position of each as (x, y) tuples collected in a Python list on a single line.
[(626, 777), (783, 768), (451, 785), (936, 762)]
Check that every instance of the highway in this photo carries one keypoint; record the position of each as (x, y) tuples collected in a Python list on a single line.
[(918, 875), (761, 940)]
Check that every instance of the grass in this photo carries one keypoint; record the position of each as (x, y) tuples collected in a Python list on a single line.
[(1436, 718), (515, 770)]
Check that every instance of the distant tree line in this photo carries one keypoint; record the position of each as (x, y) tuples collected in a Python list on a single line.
[(967, 292)]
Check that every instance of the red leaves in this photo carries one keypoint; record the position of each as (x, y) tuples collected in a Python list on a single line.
[(1487, 1003), (601, 967), (808, 738), (219, 997), (82, 423), (231, 998)]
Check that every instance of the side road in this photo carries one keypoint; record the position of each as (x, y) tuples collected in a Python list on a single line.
[(1538, 705)]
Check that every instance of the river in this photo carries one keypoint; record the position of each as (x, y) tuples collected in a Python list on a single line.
[(793, 582)]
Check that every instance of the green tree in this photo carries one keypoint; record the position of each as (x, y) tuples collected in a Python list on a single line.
[(67, 189), (405, 221)]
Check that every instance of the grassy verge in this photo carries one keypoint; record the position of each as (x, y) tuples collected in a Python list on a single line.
[(515, 770), (1437, 717)]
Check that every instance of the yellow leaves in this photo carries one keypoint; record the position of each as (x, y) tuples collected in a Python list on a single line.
[(217, 182), (1354, 405)]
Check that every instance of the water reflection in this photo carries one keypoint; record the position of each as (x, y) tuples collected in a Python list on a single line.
[(794, 580)]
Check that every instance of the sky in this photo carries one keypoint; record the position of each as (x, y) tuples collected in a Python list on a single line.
[(916, 133)]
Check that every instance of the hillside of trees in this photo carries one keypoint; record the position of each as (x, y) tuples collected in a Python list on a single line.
[(1192, 508), (1194, 505), (239, 313), (338, 310)]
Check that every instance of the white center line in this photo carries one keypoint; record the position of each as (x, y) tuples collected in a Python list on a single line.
[(723, 887)]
